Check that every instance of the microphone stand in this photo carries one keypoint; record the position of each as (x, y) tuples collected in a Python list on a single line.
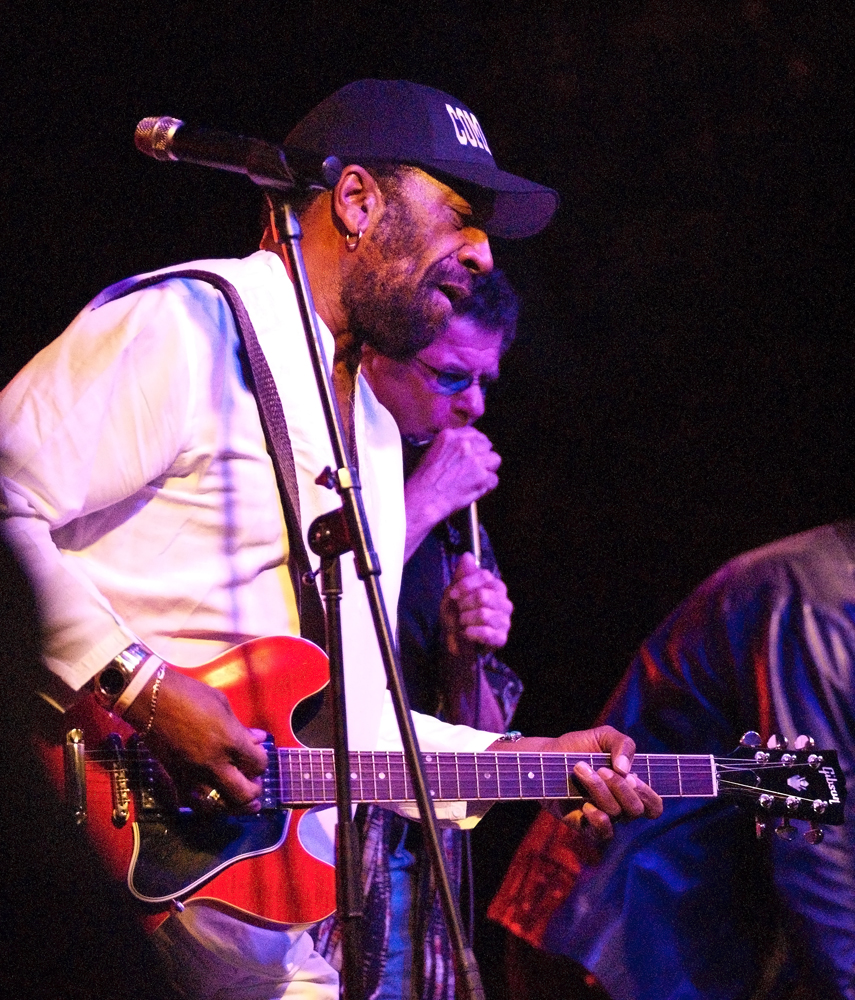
[(335, 533)]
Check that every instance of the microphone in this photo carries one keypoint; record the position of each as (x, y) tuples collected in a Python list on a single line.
[(263, 163)]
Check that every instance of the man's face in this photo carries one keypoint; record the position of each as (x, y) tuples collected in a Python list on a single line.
[(419, 398), (420, 257)]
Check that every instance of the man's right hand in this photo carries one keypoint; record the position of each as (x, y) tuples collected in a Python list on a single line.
[(200, 742), (458, 467)]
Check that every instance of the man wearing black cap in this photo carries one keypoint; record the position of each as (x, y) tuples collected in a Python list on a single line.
[(139, 493)]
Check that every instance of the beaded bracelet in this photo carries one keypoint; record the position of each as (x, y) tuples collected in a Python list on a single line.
[(155, 691)]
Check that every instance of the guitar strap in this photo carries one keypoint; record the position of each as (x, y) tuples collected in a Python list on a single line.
[(309, 607)]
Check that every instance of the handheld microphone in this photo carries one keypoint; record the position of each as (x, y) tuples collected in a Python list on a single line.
[(263, 163)]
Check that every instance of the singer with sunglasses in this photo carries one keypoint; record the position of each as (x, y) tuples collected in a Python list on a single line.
[(453, 615)]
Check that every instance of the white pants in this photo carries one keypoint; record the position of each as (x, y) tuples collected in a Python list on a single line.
[(212, 956)]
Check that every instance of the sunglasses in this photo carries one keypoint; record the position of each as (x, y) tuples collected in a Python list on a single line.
[(449, 383)]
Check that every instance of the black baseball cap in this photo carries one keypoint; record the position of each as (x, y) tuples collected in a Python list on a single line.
[(395, 121)]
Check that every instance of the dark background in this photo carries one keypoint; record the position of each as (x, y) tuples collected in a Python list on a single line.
[(682, 388)]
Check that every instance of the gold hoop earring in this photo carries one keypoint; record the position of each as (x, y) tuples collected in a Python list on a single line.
[(351, 240)]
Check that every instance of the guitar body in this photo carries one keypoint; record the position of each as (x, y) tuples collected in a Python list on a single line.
[(164, 851)]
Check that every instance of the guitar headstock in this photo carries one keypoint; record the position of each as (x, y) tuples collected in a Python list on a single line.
[(802, 783)]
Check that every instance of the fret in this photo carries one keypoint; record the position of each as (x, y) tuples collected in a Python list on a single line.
[(508, 775), (441, 765), (486, 765), (305, 776), (532, 777), (473, 780), (385, 782), (408, 788), (432, 776), (641, 768), (357, 787), (327, 770), (556, 771)]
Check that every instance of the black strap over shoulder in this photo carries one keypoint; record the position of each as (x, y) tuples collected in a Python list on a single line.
[(275, 428)]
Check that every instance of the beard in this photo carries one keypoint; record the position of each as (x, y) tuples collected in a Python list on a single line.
[(386, 305)]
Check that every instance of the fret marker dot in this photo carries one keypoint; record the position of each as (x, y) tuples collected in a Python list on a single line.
[(382, 775), (531, 774), (328, 775), (488, 774), (306, 776), (353, 775)]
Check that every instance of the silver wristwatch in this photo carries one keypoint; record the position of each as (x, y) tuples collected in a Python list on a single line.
[(108, 685)]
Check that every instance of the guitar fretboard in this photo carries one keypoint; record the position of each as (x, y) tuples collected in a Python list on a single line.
[(308, 776)]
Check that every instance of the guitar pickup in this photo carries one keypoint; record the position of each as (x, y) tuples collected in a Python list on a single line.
[(74, 761)]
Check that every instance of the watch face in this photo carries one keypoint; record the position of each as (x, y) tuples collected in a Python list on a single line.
[(112, 681)]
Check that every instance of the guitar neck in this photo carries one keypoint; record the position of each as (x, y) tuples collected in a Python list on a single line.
[(307, 776)]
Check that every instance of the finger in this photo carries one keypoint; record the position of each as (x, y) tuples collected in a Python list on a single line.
[(486, 637), (466, 566), (485, 609), (470, 580), (248, 753), (651, 802), (498, 618), (620, 746), (597, 823), (475, 591), (242, 795), (596, 788), (624, 789), (485, 626)]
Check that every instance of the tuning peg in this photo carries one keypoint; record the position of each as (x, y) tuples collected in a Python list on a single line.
[(750, 739), (777, 742), (786, 831), (815, 834), (804, 742)]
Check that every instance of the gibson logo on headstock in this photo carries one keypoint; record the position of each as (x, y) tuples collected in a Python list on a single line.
[(831, 780)]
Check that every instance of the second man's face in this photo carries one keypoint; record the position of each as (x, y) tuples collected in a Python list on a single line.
[(419, 392)]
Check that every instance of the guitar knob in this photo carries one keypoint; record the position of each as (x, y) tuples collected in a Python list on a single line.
[(792, 803), (815, 834), (786, 831), (805, 742), (766, 800), (750, 739), (777, 742), (814, 759), (819, 806)]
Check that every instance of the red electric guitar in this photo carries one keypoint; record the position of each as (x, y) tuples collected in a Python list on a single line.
[(260, 865)]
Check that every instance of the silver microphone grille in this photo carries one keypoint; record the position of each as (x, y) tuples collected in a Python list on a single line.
[(153, 136)]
